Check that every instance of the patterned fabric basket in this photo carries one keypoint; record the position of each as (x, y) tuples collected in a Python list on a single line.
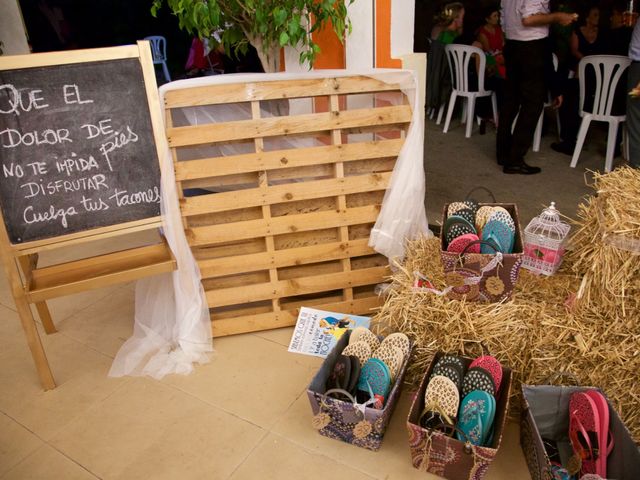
[(434, 452), (346, 421), (483, 277), (545, 415)]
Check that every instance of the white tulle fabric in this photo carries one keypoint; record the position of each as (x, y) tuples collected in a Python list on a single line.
[(172, 330)]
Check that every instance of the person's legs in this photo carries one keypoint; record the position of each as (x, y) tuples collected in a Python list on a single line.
[(510, 105), (633, 116), (569, 118), (532, 91)]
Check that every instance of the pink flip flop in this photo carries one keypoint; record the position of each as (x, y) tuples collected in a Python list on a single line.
[(491, 365), (605, 437), (584, 431)]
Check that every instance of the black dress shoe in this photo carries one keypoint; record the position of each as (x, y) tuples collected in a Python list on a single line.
[(563, 147), (521, 169)]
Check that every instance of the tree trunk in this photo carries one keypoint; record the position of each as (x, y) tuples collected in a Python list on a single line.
[(271, 60)]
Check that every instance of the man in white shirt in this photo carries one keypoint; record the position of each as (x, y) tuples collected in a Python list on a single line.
[(633, 101), (527, 56)]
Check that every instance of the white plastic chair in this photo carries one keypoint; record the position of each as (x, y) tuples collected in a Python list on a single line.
[(537, 135), (159, 52), (459, 57), (608, 70)]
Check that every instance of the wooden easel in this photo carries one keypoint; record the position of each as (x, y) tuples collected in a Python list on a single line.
[(30, 284)]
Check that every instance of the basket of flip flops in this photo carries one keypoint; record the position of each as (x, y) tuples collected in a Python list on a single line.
[(457, 417), (481, 250), (573, 432), (356, 389)]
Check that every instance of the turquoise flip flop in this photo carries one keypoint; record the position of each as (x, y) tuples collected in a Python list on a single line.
[(475, 417)]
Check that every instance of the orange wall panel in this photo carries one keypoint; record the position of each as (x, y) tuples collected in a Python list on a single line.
[(383, 36)]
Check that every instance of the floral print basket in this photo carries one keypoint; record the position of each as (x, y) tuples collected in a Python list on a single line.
[(346, 421), (434, 452), (483, 277)]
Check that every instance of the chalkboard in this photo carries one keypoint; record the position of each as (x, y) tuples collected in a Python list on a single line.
[(76, 149)]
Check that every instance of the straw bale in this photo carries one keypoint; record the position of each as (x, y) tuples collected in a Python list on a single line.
[(583, 319)]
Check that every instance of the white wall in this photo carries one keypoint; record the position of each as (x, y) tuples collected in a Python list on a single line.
[(359, 48), (12, 32), (402, 19)]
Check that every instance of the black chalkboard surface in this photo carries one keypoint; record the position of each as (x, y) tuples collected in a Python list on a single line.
[(76, 149)]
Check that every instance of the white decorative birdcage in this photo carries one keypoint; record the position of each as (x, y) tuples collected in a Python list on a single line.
[(544, 242)]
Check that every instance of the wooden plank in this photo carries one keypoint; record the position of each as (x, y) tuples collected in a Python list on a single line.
[(10, 62), (284, 126), (272, 90), (280, 225), (287, 318), (76, 276), (299, 157), (218, 267), (298, 286), (291, 192)]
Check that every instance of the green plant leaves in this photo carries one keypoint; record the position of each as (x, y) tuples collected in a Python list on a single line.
[(276, 23)]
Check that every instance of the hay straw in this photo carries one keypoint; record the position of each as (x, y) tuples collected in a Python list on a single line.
[(538, 334)]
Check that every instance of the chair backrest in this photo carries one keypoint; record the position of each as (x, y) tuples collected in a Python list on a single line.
[(608, 70), (459, 57), (158, 48)]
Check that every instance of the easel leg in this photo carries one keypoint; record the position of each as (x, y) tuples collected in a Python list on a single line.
[(28, 264), (45, 317), (35, 345)]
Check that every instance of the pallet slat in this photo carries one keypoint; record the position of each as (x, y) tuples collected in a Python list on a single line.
[(283, 126), (290, 288), (301, 157), (220, 267), (252, 91), (287, 318), (292, 192), (214, 234)]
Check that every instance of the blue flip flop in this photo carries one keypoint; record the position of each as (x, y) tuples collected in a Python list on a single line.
[(375, 379), (498, 232), (475, 417)]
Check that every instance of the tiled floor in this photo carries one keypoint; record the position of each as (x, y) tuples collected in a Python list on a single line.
[(244, 415)]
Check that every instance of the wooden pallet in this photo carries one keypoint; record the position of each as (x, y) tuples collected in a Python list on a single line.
[(284, 226)]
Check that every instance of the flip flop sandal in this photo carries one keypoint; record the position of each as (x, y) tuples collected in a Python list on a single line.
[(478, 379), (558, 472), (375, 379), (491, 365), (584, 430), (482, 216), (452, 372), (352, 386), (442, 396), (501, 209), (399, 340), (472, 205), (475, 418), (392, 357), (452, 360), (456, 226), (340, 374), (504, 217), (363, 334), (468, 214), (499, 233), (458, 244), (454, 207), (361, 349), (605, 437)]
